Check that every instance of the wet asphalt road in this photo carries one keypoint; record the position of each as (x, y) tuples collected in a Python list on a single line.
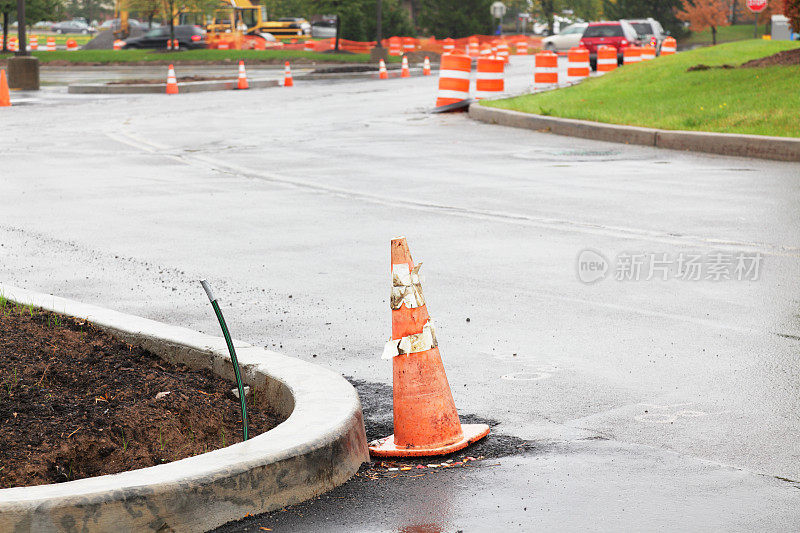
[(650, 403)]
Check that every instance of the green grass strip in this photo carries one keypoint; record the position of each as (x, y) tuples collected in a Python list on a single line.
[(662, 94)]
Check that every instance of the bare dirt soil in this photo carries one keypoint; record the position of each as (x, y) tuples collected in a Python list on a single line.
[(785, 58), (76, 402)]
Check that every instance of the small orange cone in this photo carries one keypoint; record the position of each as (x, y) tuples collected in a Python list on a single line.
[(426, 67), (404, 72), (5, 96), (172, 83), (287, 76), (242, 77), (382, 69), (425, 417)]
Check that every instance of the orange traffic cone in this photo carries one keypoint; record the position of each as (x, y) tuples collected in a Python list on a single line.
[(426, 67), (242, 77), (172, 83), (287, 76), (404, 72), (382, 71), (5, 96), (425, 417)]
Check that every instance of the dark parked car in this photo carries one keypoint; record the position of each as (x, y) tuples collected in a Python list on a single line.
[(72, 26), (188, 36), (618, 34), (650, 32)]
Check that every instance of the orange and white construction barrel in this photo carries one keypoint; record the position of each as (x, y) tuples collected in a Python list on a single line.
[(545, 70), (454, 72), (648, 53), (449, 46), (522, 48), (577, 64), (606, 59), (490, 77), (669, 46), (631, 55)]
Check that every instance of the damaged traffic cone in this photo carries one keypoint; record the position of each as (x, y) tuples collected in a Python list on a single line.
[(404, 72), (382, 74), (5, 96), (425, 417), (287, 76), (242, 84), (172, 83), (426, 67)]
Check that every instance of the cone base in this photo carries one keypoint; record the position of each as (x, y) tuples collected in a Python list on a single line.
[(386, 447)]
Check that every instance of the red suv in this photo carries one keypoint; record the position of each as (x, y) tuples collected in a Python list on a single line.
[(618, 34)]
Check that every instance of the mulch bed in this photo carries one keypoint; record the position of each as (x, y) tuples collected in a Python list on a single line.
[(785, 58), (76, 402)]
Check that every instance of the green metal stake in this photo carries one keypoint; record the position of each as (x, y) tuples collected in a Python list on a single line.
[(229, 342)]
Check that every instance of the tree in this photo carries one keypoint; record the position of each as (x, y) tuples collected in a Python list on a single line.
[(147, 9), (394, 20), (6, 8), (661, 10), (791, 9), (454, 18), (705, 14)]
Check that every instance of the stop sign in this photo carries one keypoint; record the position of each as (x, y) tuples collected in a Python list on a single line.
[(756, 6)]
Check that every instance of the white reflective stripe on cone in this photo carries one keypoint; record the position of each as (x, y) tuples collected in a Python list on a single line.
[(459, 74)]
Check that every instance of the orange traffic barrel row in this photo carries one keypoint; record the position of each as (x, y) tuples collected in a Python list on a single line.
[(545, 72), (606, 59), (669, 46), (631, 54), (454, 72), (577, 64), (490, 78)]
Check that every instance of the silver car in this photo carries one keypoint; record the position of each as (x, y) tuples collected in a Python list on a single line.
[(565, 39)]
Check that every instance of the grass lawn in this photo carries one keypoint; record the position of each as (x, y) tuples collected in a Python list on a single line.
[(129, 56), (662, 94), (725, 34)]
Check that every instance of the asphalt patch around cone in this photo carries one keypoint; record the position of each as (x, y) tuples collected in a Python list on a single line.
[(384, 479)]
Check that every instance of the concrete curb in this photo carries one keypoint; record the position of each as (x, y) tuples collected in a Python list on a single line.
[(160, 88), (758, 146), (320, 445), (219, 85)]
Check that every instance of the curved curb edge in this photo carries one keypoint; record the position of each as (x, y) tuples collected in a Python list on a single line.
[(757, 146), (320, 445)]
